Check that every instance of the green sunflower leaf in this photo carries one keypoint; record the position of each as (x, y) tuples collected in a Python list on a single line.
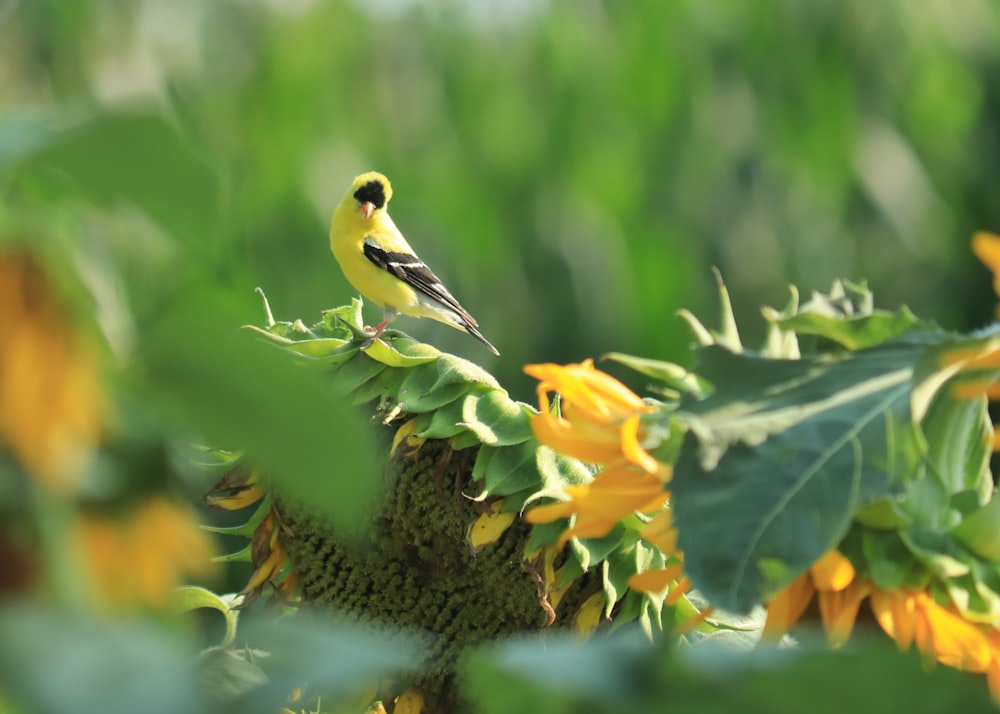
[(509, 469), (980, 531), (442, 423), (785, 453), (669, 373), (386, 352), (847, 316), (495, 418)]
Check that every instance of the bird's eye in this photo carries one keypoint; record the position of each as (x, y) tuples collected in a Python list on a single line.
[(372, 192)]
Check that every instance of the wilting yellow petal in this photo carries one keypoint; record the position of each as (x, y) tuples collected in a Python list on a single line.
[(236, 499), (410, 702), (787, 607), (265, 571), (832, 571), (490, 526), (590, 614), (404, 436)]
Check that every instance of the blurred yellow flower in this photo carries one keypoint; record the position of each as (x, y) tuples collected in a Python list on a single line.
[(600, 420), (832, 580), (136, 558), (613, 494), (913, 617), (986, 246), (910, 617), (51, 402)]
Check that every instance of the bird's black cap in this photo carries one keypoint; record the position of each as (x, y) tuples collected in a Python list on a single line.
[(372, 192)]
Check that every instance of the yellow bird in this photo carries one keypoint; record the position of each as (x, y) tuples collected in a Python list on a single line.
[(382, 266)]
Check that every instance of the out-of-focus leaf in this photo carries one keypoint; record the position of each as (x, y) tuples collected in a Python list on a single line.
[(338, 659), (52, 662), (714, 679), (623, 673), (190, 597), (203, 374), (24, 135), (139, 158), (557, 674), (786, 451)]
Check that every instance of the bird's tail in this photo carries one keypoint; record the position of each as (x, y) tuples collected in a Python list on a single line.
[(472, 330)]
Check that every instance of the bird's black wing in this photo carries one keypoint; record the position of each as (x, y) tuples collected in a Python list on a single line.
[(415, 273)]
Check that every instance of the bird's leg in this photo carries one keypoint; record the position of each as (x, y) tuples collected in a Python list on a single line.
[(387, 316)]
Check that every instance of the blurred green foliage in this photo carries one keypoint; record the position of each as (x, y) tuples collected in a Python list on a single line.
[(571, 169)]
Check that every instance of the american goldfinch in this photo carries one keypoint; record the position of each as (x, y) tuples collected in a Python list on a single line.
[(382, 266)]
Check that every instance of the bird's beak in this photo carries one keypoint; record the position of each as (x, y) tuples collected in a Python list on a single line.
[(367, 209)]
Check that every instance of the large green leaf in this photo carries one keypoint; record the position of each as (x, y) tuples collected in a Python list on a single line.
[(136, 158), (785, 452), (211, 382)]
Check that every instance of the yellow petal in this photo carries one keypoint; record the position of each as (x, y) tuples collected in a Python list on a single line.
[(490, 526), (655, 581), (560, 435), (787, 607), (590, 614), (993, 679), (839, 610), (832, 572), (986, 246), (632, 449), (410, 702), (955, 641), (661, 532), (682, 588), (550, 512)]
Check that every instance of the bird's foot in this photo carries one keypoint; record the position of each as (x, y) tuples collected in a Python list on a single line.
[(375, 333)]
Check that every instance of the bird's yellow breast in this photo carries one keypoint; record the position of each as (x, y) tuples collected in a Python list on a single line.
[(348, 232)]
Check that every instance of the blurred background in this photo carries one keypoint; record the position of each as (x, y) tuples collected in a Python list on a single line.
[(570, 169)]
